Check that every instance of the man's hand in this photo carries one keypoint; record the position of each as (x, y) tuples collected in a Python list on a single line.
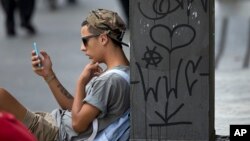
[(46, 68), (92, 69)]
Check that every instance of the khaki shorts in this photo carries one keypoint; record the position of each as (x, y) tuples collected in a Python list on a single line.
[(42, 125)]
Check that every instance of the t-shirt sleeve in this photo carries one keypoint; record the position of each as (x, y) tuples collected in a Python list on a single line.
[(98, 96)]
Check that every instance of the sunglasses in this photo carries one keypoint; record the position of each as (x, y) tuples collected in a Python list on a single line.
[(86, 38)]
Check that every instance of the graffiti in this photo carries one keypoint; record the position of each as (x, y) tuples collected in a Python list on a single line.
[(204, 5), (147, 91), (173, 58), (155, 92), (166, 118), (180, 29), (158, 9), (170, 7), (194, 67), (152, 57)]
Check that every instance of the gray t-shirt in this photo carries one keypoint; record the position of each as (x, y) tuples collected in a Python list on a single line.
[(110, 93)]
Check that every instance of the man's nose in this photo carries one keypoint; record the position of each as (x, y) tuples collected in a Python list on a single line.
[(83, 48)]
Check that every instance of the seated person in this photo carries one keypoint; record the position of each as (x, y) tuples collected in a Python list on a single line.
[(99, 95)]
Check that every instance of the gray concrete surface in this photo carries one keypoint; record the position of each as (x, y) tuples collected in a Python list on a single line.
[(58, 34)]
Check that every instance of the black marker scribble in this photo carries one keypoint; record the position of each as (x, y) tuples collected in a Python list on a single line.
[(154, 91), (158, 9), (180, 28), (175, 89), (204, 4), (147, 91), (194, 68), (152, 57), (204, 74), (160, 12), (169, 42), (166, 118)]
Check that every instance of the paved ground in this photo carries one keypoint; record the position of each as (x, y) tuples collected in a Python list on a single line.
[(58, 34)]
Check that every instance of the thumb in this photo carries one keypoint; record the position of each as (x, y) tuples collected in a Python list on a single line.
[(96, 64), (93, 64), (44, 54)]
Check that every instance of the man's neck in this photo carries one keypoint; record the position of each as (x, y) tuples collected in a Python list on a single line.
[(116, 58)]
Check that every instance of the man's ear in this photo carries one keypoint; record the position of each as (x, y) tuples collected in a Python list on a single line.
[(104, 39)]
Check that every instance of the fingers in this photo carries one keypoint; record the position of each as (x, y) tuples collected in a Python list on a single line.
[(96, 65), (36, 65), (35, 61), (92, 65), (98, 70), (37, 68), (44, 54), (93, 69), (93, 62), (33, 53), (34, 58)]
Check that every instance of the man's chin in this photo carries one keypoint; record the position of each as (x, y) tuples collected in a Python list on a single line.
[(89, 57), (92, 60)]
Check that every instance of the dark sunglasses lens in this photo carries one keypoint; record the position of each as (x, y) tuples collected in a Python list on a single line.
[(84, 41)]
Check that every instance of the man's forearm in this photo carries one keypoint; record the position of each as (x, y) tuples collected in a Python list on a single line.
[(76, 109), (63, 97), (79, 96)]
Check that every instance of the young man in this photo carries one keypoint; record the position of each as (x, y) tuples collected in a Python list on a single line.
[(98, 94)]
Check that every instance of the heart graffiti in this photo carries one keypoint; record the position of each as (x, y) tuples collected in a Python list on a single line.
[(186, 34)]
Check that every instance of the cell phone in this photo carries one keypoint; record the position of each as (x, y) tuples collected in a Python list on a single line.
[(37, 52)]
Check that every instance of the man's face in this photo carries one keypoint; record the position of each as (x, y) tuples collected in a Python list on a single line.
[(90, 45)]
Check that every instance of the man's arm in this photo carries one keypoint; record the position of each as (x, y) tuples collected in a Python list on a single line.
[(83, 113), (63, 97)]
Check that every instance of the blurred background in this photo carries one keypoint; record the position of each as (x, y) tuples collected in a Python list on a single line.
[(232, 72), (57, 26)]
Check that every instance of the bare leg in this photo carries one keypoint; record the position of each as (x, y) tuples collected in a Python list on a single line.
[(9, 104)]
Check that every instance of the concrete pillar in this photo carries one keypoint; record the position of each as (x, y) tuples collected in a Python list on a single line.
[(172, 70)]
